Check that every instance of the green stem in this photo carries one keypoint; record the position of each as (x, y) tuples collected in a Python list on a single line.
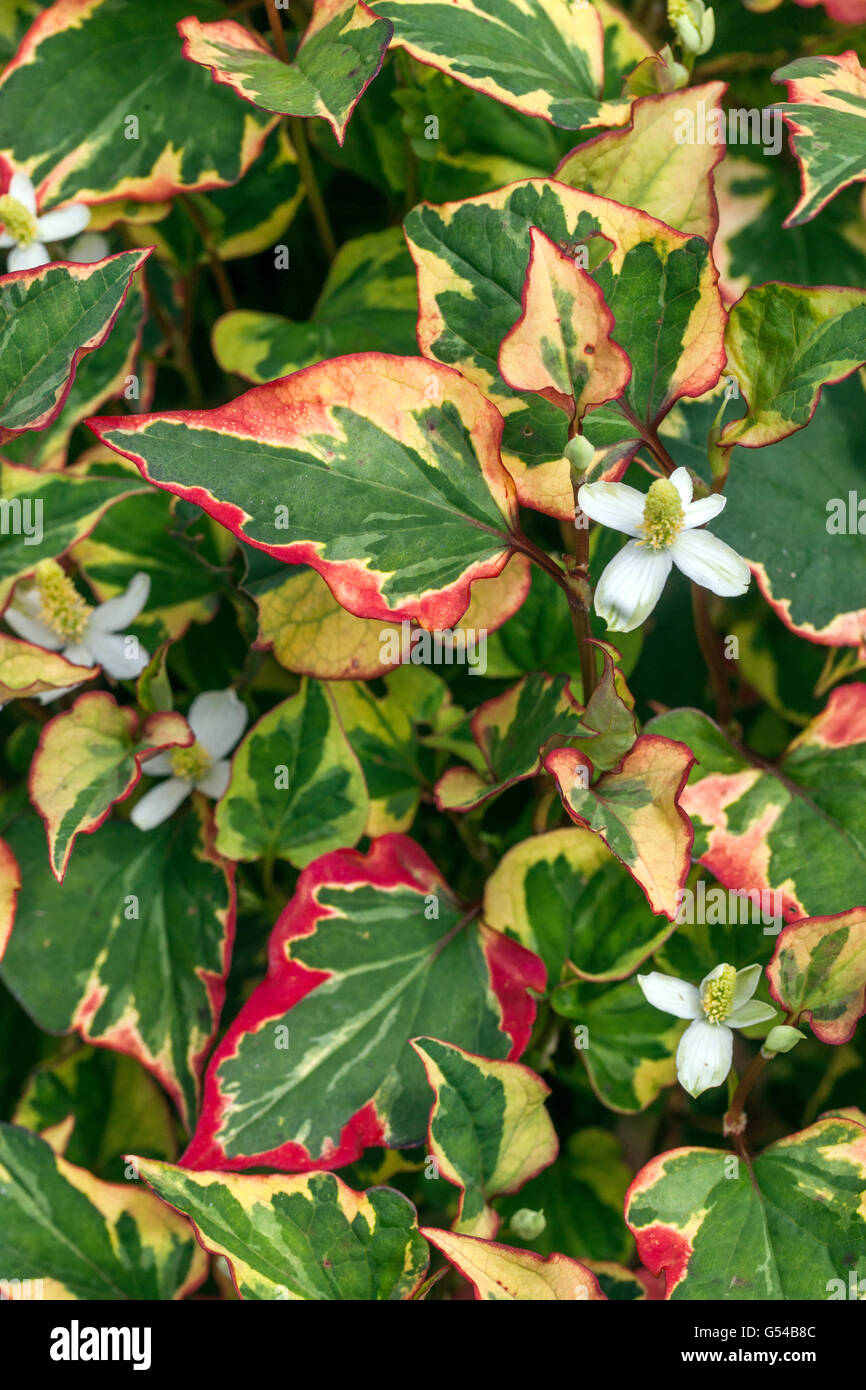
[(713, 658), (226, 293)]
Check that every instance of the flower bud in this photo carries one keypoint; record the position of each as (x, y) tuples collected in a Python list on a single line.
[(781, 1039), (527, 1224), (580, 453), (694, 24)]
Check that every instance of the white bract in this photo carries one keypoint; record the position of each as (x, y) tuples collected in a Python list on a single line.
[(217, 718), (25, 231), (50, 613), (663, 522), (722, 1001)]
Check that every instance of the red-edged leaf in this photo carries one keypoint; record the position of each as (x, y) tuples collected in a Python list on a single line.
[(371, 951), (498, 1272), (382, 473), (818, 970), (10, 884)]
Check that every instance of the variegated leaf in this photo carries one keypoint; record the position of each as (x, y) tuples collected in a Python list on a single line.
[(84, 1238), (114, 130), (303, 1237), (45, 513), (783, 344), (819, 970), (628, 1047), (503, 1273), (489, 1130), (350, 467), (139, 934), (826, 116), (296, 788), (369, 299), (794, 833), (26, 670), (49, 318), (336, 60), (656, 163), (636, 809), (370, 952), (10, 884), (563, 895), (660, 286), (89, 758), (511, 731), (561, 346), (788, 1225)]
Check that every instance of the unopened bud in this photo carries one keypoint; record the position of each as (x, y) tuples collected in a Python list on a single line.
[(528, 1224), (580, 453), (781, 1039)]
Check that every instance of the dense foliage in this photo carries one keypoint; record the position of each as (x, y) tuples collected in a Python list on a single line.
[(433, 785)]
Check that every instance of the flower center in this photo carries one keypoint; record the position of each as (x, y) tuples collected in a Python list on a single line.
[(17, 219), (191, 763), (718, 995), (63, 608), (663, 515)]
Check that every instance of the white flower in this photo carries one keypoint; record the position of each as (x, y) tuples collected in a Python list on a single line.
[(26, 231), (723, 1001), (217, 718), (51, 613), (665, 518)]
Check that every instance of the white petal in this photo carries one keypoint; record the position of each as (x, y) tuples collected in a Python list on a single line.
[(31, 629), (631, 585), (671, 995), (6, 241), (215, 782), (217, 718), (682, 481), (710, 563), (117, 613), (90, 247), (109, 648), (704, 1056), (28, 257), (79, 654), (750, 1013), (63, 223), (160, 765), (159, 803), (20, 187), (613, 504), (47, 697), (746, 983), (703, 510)]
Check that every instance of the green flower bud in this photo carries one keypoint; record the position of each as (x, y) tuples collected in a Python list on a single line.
[(580, 453), (527, 1224), (781, 1039)]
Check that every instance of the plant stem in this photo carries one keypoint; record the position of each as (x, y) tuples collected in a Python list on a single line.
[(302, 150), (713, 658), (226, 293), (734, 1122)]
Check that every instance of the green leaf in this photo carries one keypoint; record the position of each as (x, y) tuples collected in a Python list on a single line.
[(49, 318), (819, 968), (84, 1238), (131, 951), (395, 438), (791, 837), (826, 116), (89, 758), (339, 55), (636, 809), (46, 513), (788, 1225), (89, 149), (489, 1131), (91, 1106), (370, 952), (545, 57), (296, 788), (563, 895), (369, 298), (305, 1236), (627, 1046), (783, 344), (27, 670)]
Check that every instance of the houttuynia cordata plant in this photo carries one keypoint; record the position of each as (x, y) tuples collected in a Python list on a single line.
[(433, 650)]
